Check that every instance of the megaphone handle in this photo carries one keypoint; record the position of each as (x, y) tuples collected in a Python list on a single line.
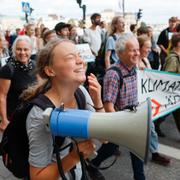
[(82, 161), (83, 166), (59, 162)]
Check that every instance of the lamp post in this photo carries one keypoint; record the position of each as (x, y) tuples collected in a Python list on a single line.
[(123, 7), (121, 4), (31, 10), (139, 15), (83, 9), (84, 12), (79, 2)]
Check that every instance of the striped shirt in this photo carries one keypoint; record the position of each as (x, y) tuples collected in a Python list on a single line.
[(127, 94)]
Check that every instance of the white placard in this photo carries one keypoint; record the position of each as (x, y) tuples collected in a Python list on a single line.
[(85, 52), (162, 87)]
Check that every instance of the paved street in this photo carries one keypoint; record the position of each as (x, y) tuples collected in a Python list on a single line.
[(122, 169)]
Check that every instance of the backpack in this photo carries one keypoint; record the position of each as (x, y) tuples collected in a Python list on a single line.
[(113, 50), (168, 58), (153, 58), (100, 61), (14, 146), (102, 51), (121, 77), (115, 68)]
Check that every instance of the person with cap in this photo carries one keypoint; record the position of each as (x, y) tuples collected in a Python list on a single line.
[(62, 30), (164, 37), (93, 36)]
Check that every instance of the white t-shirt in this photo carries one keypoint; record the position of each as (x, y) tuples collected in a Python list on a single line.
[(93, 38)]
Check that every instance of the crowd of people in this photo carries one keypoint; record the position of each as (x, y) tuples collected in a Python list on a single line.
[(60, 71)]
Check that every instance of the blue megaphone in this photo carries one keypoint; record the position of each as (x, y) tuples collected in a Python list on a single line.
[(130, 129)]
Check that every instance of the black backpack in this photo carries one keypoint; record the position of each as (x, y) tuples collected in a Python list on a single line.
[(100, 59), (101, 53), (121, 77), (14, 146), (168, 59)]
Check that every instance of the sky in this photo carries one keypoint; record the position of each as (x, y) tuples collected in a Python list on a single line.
[(153, 11)]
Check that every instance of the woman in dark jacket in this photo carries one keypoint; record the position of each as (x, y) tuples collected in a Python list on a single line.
[(15, 76)]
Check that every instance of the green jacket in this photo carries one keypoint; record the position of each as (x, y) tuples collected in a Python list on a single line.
[(172, 63)]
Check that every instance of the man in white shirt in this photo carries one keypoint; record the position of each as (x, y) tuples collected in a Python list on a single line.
[(93, 36)]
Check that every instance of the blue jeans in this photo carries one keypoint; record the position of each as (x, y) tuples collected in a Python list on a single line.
[(138, 167), (107, 150), (137, 164), (154, 140)]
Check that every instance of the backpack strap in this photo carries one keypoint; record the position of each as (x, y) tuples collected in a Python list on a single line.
[(42, 101), (115, 68), (121, 76), (80, 98), (114, 37), (113, 51)]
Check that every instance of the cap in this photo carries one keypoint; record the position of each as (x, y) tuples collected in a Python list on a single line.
[(173, 19), (60, 26)]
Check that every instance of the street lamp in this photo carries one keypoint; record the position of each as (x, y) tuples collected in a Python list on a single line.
[(139, 14), (83, 9), (26, 17), (79, 2), (31, 10), (123, 6), (84, 12)]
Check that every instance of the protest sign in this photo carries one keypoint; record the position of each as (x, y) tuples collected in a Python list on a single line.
[(85, 52), (162, 87)]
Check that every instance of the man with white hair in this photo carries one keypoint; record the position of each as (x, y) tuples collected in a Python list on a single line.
[(119, 93), (117, 98)]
